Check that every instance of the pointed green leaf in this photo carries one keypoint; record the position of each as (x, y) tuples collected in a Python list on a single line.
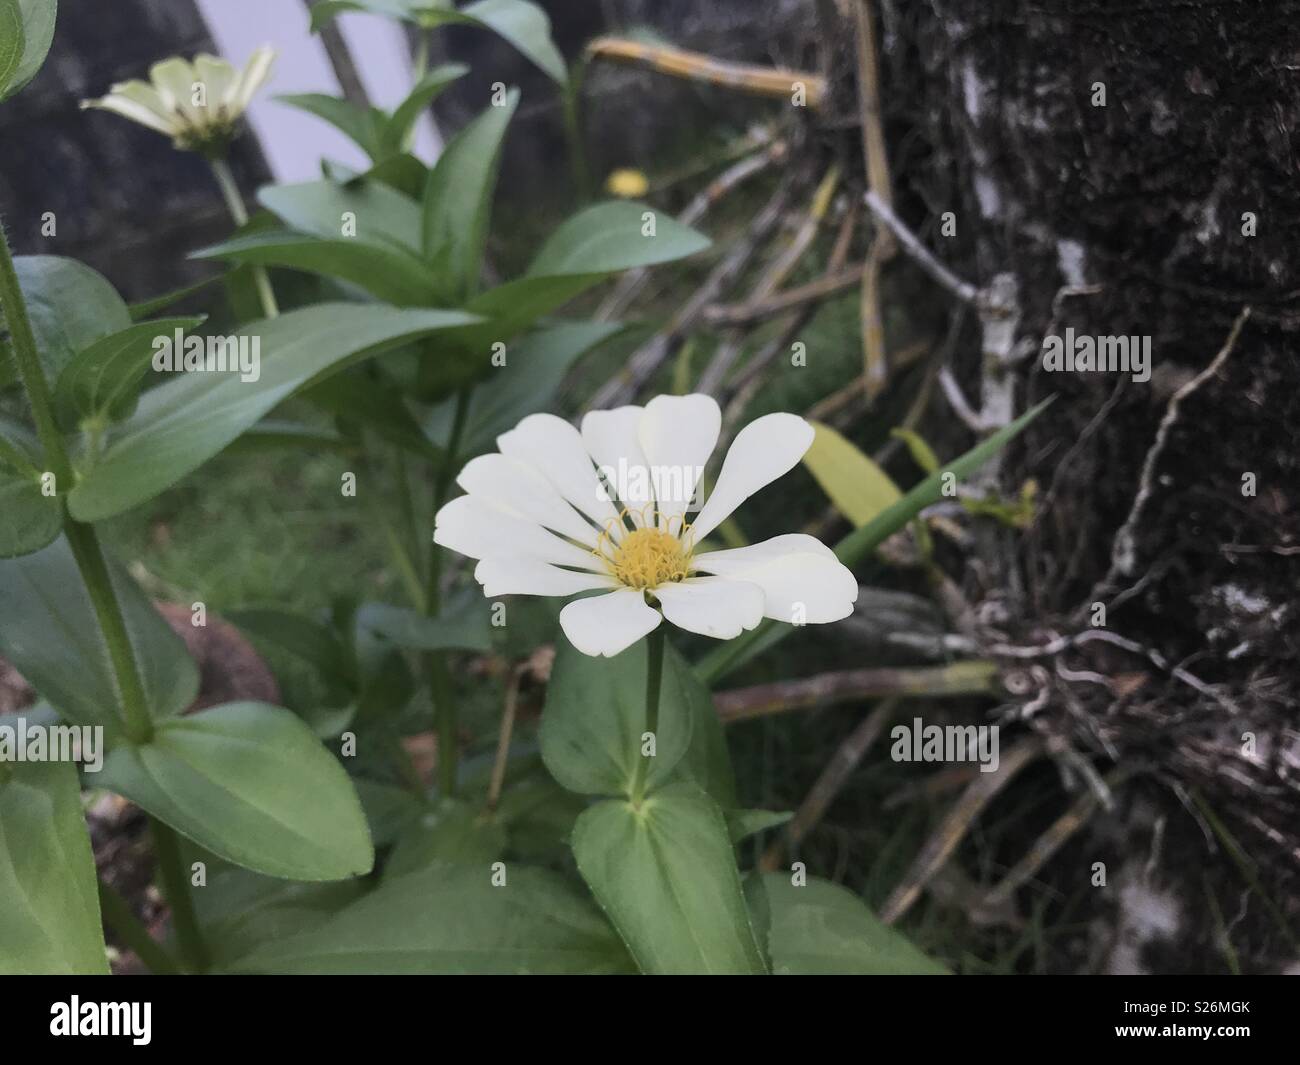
[(103, 381), (665, 874), (183, 423), (525, 25), (382, 215), (252, 784), (451, 920), (385, 271), (70, 307), (49, 632), (364, 126), (858, 487), (822, 929), (595, 716), (26, 32), (458, 201), (397, 129), (49, 922)]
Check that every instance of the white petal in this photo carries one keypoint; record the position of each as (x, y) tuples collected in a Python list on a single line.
[(517, 575), (255, 74), (735, 559), (478, 529), (554, 448), (608, 624), (135, 111), (764, 450), (174, 79), (218, 78), (801, 583), (678, 435), (610, 437), (712, 606), (516, 486)]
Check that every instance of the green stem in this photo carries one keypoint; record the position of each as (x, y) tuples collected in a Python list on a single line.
[(133, 934), (440, 686), (653, 682), (176, 890), (235, 203), (572, 93), (89, 554), (30, 372)]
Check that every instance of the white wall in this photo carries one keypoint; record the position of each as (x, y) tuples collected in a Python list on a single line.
[(293, 141)]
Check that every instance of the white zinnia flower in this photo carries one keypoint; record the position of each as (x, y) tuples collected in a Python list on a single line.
[(197, 104), (542, 521)]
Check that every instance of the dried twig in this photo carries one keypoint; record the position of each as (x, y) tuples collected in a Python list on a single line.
[(773, 277), (697, 66), (911, 243), (951, 830), (833, 777), (975, 677), (814, 292), (1124, 553)]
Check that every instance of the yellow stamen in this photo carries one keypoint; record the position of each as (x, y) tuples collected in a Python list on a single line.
[(647, 558)]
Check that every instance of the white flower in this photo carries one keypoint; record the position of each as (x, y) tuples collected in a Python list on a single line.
[(543, 521), (197, 104)]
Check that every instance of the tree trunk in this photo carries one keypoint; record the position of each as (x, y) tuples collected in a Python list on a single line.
[(1134, 171)]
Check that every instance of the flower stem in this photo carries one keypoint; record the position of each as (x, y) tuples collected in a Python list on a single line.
[(513, 680), (440, 687), (238, 212), (133, 934), (176, 890), (653, 682)]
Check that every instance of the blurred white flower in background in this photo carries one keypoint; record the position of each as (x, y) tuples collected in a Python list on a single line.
[(197, 104)]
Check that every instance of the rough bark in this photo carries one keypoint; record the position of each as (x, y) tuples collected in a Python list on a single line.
[(1142, 199)]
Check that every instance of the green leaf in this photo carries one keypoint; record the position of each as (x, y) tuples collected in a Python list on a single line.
[(303, 637), (358, 398), (665, 874), (922, 454), (862, 542), (29, 519), (240, 910), (535, 366), (325, 11), (458, 201), (824, 929), (451, 920), (525, 25), (608, 237), (183, 423), (146, 309), (387, 272), (26, 32), (70, 307), (454, 833), (49, 923), (595, 715), (745, 823), (594, 243), (103, 380), (383, 215), (397, 129), (49, 632), (463, 627), (250, 783), (858, 487), (364, 126)]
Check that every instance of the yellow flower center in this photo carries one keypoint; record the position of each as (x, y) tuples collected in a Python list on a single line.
[(648, 557)]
